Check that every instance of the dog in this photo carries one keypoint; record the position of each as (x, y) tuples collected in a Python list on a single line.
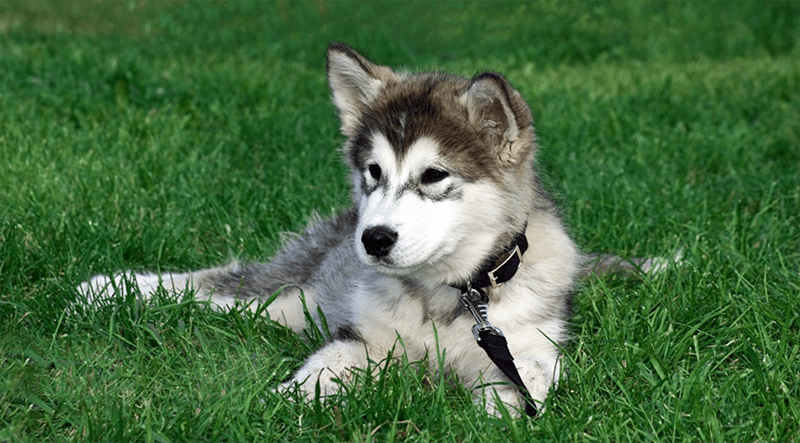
[(451, 239)]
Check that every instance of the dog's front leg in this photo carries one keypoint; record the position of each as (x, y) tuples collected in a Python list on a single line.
[(539, 376), (330, 366)]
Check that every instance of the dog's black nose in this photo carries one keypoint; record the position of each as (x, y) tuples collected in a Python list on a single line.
[(378, 241)]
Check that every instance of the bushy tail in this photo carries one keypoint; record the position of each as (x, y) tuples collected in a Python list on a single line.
[(608, 264)]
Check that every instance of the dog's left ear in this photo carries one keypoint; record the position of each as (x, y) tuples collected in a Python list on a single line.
[(355, 83), (500, 113)]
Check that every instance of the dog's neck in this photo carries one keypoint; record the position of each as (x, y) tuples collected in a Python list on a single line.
[(499, 268)]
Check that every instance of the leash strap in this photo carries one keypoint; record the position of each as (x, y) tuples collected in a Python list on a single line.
[(491, 339), (496, 348)]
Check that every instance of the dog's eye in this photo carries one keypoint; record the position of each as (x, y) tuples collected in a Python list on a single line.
[(374, 171), (432, 175)]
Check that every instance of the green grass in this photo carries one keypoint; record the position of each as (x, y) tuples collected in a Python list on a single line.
[(178, 135)]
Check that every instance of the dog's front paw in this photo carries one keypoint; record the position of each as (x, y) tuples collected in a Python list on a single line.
[(310, 384), (327, 370), (501, 399), (538, 377)]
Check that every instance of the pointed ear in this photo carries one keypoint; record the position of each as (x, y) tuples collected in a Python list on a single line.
[(355, 83), (500, 113)]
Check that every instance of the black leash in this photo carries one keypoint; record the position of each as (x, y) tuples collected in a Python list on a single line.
[(489, 337)]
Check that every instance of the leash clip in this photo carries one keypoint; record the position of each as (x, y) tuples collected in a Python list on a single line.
[(476, 301)]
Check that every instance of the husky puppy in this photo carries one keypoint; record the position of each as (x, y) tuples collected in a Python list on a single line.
[(445, 195)]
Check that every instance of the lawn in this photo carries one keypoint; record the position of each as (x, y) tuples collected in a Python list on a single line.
[(179, 135)]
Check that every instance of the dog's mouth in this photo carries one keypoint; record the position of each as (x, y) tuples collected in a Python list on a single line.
[(386, 264), (390, 266)]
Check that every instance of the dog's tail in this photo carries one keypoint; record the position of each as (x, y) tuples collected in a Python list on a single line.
[(608, 264)]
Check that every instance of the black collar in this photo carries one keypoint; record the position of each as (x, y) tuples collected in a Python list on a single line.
[(500, 268)]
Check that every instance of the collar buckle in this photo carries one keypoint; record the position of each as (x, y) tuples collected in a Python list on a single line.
[(496, 280)]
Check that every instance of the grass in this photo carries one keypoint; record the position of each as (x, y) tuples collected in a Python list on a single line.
[(177, 135)]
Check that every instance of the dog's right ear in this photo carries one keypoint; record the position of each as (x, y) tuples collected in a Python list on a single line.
[(500, 113), (355, 83)]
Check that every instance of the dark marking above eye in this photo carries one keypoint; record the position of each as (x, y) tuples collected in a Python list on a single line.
[(432, 175), (374, 171)]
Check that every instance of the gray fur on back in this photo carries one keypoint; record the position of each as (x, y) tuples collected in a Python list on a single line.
[(297, 263)]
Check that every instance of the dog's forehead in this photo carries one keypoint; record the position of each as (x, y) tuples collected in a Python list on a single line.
[(423, 153), (419, 116)]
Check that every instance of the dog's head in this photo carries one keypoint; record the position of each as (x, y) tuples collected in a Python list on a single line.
[(442, 166)]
